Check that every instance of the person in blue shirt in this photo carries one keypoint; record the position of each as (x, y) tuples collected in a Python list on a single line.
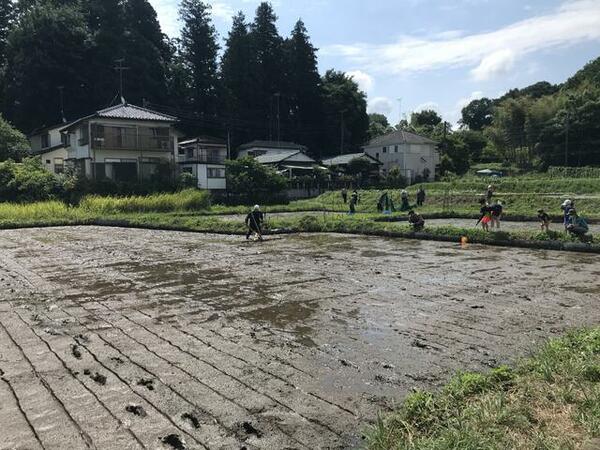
[(576, 225)]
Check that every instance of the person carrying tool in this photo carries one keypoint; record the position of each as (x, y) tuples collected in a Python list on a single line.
[(405, 206), (486, 215), (254, 221), (353, 202)]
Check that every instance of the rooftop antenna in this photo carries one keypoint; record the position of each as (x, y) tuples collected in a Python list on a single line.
[(400, 108), (62, 103), (119, 68)]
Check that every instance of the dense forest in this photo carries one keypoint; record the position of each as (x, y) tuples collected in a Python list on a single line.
[(58, 60)]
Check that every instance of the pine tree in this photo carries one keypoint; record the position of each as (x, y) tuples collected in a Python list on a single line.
[(199, 50), (304, 89), (267, 67), (235, 79)]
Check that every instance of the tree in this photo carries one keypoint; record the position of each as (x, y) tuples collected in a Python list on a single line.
[(478, 114), (6, 17), (47, 49), (473, 141), (235, 78), (425, 118), (267, 69), (360, 168), (378, 125), (248, 177), (346, 113), (13, 144), (199, 50), (303, 95)]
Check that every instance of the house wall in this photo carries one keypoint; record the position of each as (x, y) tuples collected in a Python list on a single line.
[(200, 171), (411, 159), (50, 159), (266, 150), (54, 139)]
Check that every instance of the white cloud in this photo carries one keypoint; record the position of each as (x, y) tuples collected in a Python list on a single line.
[(381, 105), (222, 11), (498, 63), (364, 80), (461, 103), (167, 13), (426, 106), (575, 21)]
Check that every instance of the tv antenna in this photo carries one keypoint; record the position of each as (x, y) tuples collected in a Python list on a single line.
[(119, 68)]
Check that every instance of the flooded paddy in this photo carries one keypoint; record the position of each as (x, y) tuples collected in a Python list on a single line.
[(119, 338)]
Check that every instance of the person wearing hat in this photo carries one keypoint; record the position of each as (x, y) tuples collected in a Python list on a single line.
[(489, 193), (577, 225), (566, 206), (254, 222), (544, 220), (405, 206)]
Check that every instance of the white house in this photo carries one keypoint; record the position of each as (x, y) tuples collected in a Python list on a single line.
[(121, 143), (411, 153), (204, 158), (50, 145)]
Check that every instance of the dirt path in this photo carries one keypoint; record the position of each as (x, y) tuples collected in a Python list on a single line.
[(115, 339)]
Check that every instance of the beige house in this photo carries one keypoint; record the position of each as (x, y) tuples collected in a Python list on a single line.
[(414, 155), (121, 143)]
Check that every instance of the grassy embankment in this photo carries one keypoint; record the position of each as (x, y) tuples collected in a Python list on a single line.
[(549, 401), (190, 210)]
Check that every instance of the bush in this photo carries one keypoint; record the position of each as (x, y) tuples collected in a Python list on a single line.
[(27, 182), (253, 182)]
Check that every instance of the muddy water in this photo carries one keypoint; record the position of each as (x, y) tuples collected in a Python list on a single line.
[(295, 342)]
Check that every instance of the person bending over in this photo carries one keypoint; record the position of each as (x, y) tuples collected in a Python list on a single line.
[(544, 219), (254, 222), (416, 221), (577, 226)]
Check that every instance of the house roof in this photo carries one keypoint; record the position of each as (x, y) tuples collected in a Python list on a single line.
[(45, 128), (273, 144), (47, 149), (125, 111), (342, 160), (272, 158), (400, 137)]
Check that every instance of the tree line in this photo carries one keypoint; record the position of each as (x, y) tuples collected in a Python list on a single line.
[(533, 128), (58, 59)]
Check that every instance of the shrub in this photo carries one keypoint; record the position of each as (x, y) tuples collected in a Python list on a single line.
[(187, 200)]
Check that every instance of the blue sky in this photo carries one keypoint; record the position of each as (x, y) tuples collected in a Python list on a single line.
[(435, 54)]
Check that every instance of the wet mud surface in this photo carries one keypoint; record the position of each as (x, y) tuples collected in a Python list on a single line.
[(115, 339)]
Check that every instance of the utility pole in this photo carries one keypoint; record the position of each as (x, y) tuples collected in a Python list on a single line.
[(342, 134), (278, 95), (119, 68), (62, 103), (567, 140)]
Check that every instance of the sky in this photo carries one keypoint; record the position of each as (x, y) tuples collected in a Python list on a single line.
[(409, 55)]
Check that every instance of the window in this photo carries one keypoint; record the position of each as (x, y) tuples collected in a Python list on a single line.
[(189, 153), (48, 161), (215, 173), (377, 155), (65, 139), (45, 140), (59, 165), (384, 149), (395, 148), (187, 170)]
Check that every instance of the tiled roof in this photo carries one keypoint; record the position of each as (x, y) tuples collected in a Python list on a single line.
[(272, 158), (399, 137), (345, 159), (203, 140), (273, 144), (127, 111)]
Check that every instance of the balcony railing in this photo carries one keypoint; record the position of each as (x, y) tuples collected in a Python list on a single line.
[(130, 139), (202, 157)]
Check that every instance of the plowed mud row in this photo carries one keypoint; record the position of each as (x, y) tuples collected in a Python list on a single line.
[(117, 339)]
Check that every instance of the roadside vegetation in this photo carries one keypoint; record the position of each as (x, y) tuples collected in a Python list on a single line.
[(549, 401)]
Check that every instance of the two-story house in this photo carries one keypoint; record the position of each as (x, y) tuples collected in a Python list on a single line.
[(121, 143), (204, 158), (51, 145), (414, 155)]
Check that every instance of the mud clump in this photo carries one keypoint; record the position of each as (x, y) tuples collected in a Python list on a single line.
[(174, 441), (117, 360), (248, 428), (98, 378), (75, 351), (192, 419), (136, 410), (148, 384)]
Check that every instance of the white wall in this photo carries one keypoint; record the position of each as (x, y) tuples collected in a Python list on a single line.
[(410, 159), (49, 157), (200, 172)]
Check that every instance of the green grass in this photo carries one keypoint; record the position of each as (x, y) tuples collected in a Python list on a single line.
[(41, 213), (187, 200), (549, 401)]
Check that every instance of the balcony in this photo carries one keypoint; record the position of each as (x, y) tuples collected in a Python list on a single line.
[(202, 156), (113, 138)]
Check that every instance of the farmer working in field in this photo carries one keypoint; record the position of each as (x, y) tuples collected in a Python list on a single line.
[(344, 195), (254, 222), (496, 211), (577, 225), (420, 196), (416, 221), (405, 206), (353, 202)]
